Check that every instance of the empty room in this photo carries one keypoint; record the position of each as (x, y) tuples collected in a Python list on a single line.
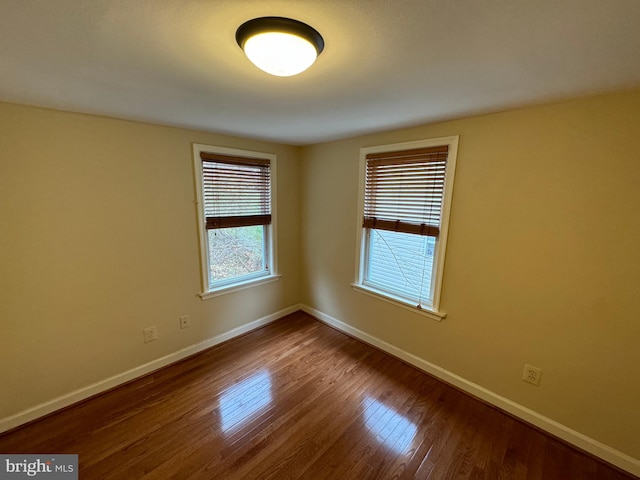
[(284, 239)]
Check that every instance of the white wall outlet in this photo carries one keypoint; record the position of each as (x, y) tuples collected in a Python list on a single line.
[(150, 334), (185, 321), (531, 374)]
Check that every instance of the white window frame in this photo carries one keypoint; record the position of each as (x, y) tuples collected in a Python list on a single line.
[(432, 311), (270, 240)]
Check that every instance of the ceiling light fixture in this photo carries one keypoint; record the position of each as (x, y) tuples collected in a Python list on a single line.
[(280, 46)]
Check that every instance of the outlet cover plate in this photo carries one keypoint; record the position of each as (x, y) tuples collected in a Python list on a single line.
[(531, 374), (150, 334)]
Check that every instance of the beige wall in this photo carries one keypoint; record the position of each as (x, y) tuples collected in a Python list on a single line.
[(543, 259), (99, 240)]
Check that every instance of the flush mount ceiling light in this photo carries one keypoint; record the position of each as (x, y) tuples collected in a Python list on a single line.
[(280, 46)]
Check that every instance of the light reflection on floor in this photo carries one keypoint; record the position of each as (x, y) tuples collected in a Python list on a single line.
[(243, 401), (389, 427)]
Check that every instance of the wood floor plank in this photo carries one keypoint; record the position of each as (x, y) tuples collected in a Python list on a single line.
[(298, 400)]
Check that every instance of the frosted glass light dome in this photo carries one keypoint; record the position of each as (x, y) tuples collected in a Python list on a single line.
[(280, 46), (280, 54)]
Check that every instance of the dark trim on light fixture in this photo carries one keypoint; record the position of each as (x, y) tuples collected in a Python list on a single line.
[(279, 24)]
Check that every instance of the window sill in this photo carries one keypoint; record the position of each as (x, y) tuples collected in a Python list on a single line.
[(372, 292), (254, 282)]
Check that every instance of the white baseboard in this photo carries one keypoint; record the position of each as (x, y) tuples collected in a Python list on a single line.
[(68, 399), (587, 444)]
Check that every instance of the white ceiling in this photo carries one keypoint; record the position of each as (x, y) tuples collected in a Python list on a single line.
[(386, 63)]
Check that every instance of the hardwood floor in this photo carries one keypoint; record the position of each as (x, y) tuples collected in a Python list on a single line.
[(298, 400)]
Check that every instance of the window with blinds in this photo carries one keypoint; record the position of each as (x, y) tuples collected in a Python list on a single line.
[(234, 204), (405, 211)]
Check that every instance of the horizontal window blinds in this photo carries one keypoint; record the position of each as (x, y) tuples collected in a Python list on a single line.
[(404, 190), (237, 191)]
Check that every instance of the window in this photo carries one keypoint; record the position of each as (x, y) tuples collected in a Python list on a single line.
[(236, 218), (404, 210)]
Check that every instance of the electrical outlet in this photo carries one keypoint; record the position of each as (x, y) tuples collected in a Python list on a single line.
[(150, 334), (531, 374), (185, 321)]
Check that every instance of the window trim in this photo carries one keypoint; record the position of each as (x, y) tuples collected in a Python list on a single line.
[(271, 229), (432, 311)]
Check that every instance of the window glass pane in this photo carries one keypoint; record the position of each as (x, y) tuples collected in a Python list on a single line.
[(235, 252), (401, 264)]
